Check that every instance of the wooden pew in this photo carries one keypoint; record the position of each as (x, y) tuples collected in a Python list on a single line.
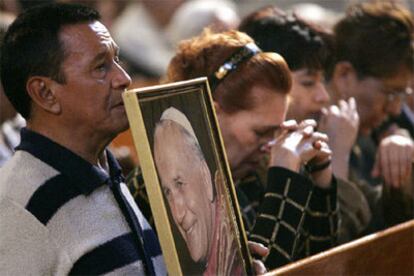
[(388, 252)]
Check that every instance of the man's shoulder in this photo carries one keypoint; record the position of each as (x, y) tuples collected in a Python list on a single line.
[(17, 224), (22, 175), (23, 237), (22, 162), (13, 213)]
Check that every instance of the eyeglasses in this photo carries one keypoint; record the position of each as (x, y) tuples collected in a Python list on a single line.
[(393, 95)]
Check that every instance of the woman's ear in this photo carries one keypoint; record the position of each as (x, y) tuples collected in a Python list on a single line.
[(41, 92)]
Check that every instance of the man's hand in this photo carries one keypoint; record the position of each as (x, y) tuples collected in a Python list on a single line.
[(258, 249), (341, 124), (393, 163)]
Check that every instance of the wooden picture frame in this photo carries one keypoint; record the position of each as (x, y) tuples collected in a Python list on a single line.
[(188, 180)]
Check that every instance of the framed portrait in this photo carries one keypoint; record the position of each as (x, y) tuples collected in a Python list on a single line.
[(187, 178)]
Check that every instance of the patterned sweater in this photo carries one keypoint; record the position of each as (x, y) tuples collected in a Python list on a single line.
[(61, 215)]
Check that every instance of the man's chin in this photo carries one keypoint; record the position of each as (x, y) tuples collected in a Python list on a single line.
[(365, 131), (122, 125)]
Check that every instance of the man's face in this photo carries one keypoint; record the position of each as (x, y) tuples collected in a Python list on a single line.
[(91, 96), (308, 95), (377, 98), (187, 185), (245, 131)]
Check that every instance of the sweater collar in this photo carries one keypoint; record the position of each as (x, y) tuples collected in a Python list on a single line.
[(87, 177)]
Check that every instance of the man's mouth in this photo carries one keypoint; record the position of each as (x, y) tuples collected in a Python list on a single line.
[(118, 105)]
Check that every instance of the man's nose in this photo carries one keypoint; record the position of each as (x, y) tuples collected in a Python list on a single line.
[(179, 209), (121, 79)]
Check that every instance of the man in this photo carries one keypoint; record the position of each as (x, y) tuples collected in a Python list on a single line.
[(197, 204), (373, 63), (64, 208)]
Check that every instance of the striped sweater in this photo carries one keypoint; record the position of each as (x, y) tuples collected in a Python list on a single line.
[(61, 215)]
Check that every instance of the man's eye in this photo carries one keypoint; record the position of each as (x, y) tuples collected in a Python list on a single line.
[(101, 67), (166, 192), (179, 183)]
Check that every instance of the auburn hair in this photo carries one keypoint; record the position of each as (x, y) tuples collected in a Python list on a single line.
[(203, 56)]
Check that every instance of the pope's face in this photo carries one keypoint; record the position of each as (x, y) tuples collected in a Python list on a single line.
[(187, 185)]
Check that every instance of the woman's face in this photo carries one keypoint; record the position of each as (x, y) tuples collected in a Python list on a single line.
[(245, 131), (308, 95)]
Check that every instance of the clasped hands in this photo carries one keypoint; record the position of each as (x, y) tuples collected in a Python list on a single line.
[(298, 144)]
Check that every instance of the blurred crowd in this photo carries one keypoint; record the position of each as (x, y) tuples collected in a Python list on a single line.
[(345, 80)]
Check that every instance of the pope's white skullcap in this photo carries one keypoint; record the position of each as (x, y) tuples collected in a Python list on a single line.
[(179, 118)]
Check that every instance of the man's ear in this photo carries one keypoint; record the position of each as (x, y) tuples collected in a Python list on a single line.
[(208, 181), (344, 76), (41, 92)]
